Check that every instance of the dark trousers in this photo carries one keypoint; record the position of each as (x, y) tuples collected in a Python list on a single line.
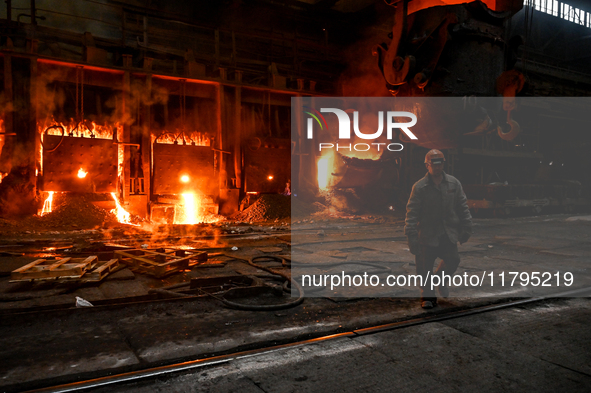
[(450, 259)]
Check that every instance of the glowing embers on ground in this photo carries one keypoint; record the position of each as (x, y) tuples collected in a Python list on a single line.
[(48, 204), (82, 173), (122, 215)]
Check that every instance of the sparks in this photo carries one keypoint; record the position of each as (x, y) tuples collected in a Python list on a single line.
[(82, 173), (48, 204), (270, 177)]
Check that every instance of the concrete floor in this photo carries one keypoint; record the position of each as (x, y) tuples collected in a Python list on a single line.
[(549, 245), (44, 346), (542, 347)]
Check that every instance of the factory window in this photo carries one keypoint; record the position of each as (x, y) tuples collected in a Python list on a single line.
[(561, 10)]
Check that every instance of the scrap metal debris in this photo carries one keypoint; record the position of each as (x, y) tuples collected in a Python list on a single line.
[(76, 211), (301, 209), (71, 211), (266, 208)]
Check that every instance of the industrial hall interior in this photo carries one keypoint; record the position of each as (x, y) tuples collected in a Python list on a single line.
[(159, 192)]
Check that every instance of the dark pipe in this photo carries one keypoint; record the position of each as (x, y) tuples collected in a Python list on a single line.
[(33, 11), (9, 11), (18, 18)]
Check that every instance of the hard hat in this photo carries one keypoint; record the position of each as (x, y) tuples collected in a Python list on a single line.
[(434, 157)]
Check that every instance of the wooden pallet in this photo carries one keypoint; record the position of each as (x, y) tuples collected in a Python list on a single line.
[(101, 270), (42, 269), (196, 255), (161, 262)]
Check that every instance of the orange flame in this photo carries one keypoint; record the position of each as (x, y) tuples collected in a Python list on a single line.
[(82, 131), (122, 215), (185, 179), (48, 204), (82, 173), (188, 138)]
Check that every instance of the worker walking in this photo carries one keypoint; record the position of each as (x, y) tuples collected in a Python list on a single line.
[(437, 217)]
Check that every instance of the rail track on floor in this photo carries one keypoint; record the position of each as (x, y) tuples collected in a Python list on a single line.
[(163, 371)]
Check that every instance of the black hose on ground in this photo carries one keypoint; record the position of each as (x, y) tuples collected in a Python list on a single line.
[(167, 291), (269, 307), (286, 262)]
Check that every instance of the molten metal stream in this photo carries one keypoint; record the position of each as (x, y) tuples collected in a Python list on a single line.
[(48, 204), (326, 165), (123, 216), (188, 214)]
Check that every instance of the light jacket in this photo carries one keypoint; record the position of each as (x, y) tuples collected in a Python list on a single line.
[(422, 206)]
